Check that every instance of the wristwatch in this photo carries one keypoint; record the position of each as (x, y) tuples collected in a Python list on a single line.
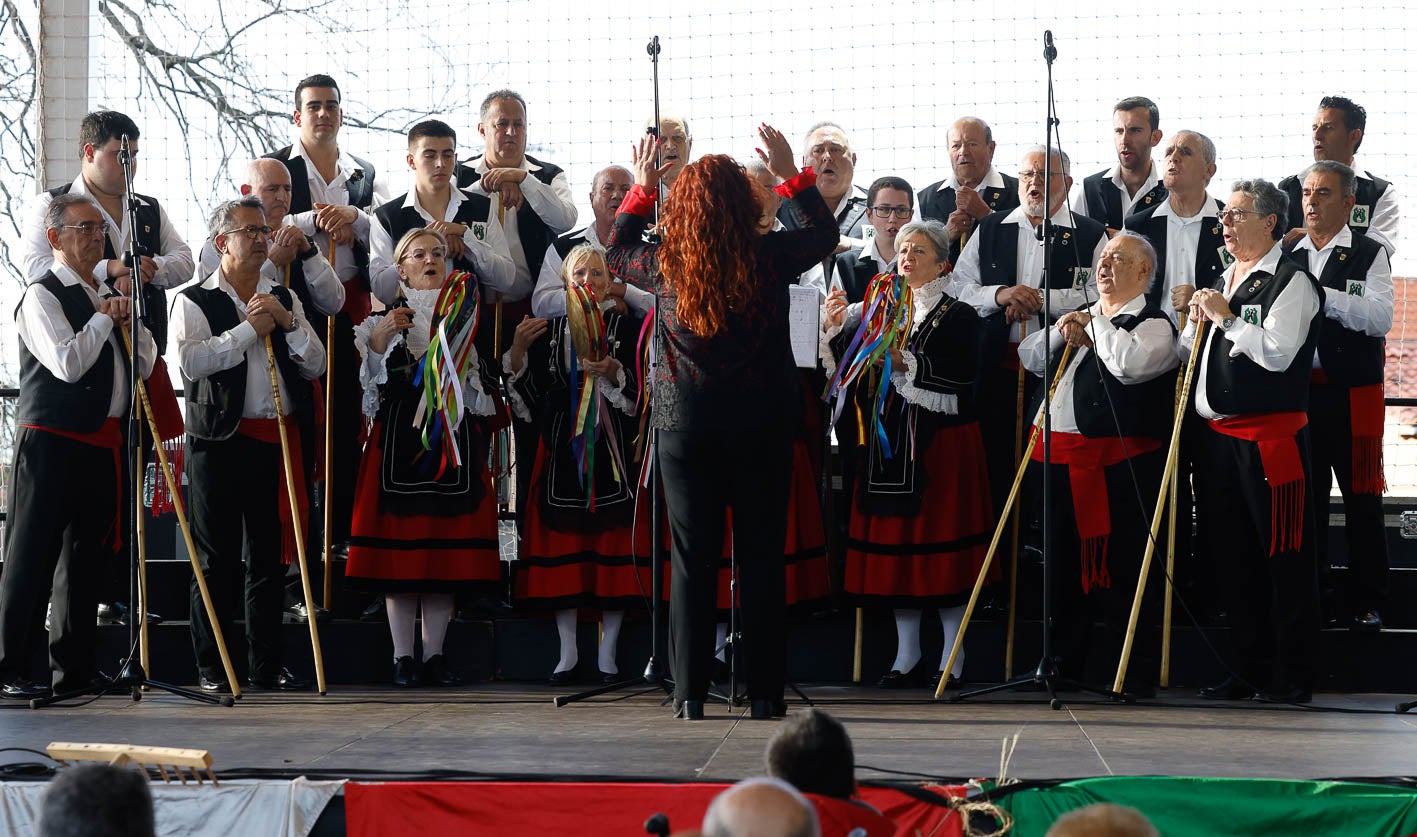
[(311, 249), (294, 324), (1226, 323)]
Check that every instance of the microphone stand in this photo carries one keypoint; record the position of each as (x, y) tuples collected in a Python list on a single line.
[(131, 677), (1045, 676)]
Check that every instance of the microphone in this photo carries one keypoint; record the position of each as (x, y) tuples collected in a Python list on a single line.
[(123, 150), (657, 824), (1049, 51)]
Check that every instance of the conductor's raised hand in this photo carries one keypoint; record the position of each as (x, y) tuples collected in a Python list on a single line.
[(647, 168), (776, 152)]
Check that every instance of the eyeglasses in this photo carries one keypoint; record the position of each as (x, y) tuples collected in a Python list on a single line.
[(1037, 174), (252, 232), (424, 255), (901, 212), (87, 228), (1235, 216)]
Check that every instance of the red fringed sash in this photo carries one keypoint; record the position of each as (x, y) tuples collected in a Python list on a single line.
[(110, 436), (1086, 458), (1283, 470), (1365, 413), (268, 431)]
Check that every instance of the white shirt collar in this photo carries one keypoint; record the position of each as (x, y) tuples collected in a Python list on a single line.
[(344, 164), (217, 281), (1269, 263), (1114, 174), (480, 164), (1208, 210), (1132, 306), (66, 275), (1343, 239), (992, 180), (410, 200), (1062, 218)]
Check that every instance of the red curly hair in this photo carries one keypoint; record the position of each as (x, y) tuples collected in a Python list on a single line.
[(710, 244)]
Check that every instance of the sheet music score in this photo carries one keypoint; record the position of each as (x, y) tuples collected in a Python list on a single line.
[(804, 319)]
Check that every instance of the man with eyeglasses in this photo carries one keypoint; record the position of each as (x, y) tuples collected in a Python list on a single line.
[(1337, 133), (1346, 391), (890, 205), (974, 188), (1001, 273), (1263, 320), (66, 498), (240, 508), (1132, 185)]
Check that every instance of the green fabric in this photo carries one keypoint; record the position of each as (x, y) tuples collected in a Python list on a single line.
[(1180, 806)]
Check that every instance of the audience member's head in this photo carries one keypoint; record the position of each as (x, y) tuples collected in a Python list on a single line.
[(1103, 819), (97, 800), (812, 752), (761, 807)]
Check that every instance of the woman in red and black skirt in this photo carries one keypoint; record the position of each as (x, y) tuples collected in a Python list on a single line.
[(573, 376), (921, 518), (425, 515)]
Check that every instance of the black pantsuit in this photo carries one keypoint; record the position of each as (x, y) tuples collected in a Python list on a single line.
[(235, 502), (705, 472), (62, 509)]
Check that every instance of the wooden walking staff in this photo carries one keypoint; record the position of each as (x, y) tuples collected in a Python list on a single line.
[(181, 506), (1171, 552), (856, 655), (1168, 476), (999, 529), (1014, 516), (290, 489)]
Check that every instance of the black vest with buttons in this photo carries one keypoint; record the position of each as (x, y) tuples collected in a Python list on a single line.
[(398, 216), (1209, 263), (1349, 358), (360, 185), (46, 401), (1369, 189), (1104, 199), (533, 233), (938, 201)]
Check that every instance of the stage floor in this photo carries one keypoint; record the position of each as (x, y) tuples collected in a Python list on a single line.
[(514, 731)]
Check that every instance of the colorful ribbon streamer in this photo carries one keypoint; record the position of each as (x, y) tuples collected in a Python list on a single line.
[(887, 310), (589, 409), (450, 358)]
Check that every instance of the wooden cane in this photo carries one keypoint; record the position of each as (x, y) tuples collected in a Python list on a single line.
[(140, 611), (1014, 518), (1167, 477), (328, 581), (181, 507), (856, 656), (290, 486), (999, 529), (1170, 553)]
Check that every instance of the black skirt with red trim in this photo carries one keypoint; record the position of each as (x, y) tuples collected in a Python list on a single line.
[(402, 553), (929, 559), (591, 566)]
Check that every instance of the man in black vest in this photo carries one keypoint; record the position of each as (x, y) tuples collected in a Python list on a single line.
[(1001, 271), (890, 206), (974, 188), (165, 261), (607, 192), (1252, 493), (1346, 397), (1337, 134), (331, 195), (1133, 184), (240, 508), (65, 507), (1111, 417)]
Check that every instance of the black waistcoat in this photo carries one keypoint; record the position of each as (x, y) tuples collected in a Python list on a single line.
[(360, 185), (1349, 358), (215, 403), (1370, 188), (398, 216), (1209, 262), (533, 233), (1104, 199), (1239, 386), (938, 201), (46, 401)]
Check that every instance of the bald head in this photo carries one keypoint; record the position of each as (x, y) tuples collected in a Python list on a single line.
[(269, 180), (761, 807), (1103, 819), (971, 145)]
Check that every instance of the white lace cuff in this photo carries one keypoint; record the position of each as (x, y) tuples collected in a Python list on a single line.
[(372, 371), (615, 393), (475, 399), (904, 382)]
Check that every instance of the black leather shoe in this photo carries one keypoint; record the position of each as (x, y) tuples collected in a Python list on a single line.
[(607, 678), (1368, 622), (951, 682), (285, 681), (297, 613), (405, 672), (763, 709), (437, 674), (213, 685), (894, 679), (116, 613), (23, 689), (562, 678), (1284, 694), (1228, 689), (689, 710), (375, 612)]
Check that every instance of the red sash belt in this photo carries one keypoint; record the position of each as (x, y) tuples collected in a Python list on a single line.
[(1283, 470), (1086, 457), (268, 431), (110, 436), (1365, 425)]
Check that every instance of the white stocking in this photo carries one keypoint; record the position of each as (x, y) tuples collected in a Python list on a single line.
[(610, 622), (403, 611), (566, 630), (950, 620), (907, 640), (437, 613)]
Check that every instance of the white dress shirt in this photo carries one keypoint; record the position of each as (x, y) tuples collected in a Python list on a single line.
[(1183, 238), (335, 191), (69, 354), (326, 290), (174, 259), (551, 202), (1114, 176), (1369, 309), (549, 298), (1132, 357), (201, 353), (491, 260), (1028, 270), (1273, 343)]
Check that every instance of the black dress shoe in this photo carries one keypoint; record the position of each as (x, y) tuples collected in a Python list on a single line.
[(405, 672), (894, 679), (297, 613), (1284, 694), (213, 685), (375, 612), (562, 678), (607, 678), (1228, 689), (764, 709), (437, 674), (689, 710), (284, 681), (1368, 622), (23, 689), (951, 682), (116, 613)]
